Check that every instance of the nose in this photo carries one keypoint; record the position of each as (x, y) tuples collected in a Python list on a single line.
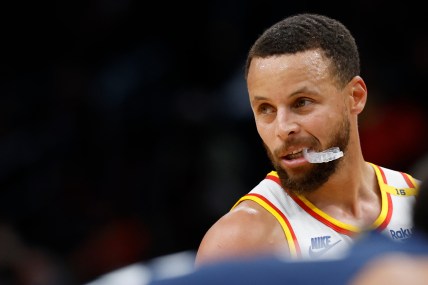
[(286, 124)]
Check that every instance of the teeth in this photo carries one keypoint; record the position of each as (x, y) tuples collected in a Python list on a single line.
[(296, 151)]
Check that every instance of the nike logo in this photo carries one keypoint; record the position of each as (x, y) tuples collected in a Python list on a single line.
[(314, 253)]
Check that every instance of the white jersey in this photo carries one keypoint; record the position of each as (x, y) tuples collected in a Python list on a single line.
[(313, 234)]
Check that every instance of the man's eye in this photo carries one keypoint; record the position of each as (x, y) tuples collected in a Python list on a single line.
[(265, 109), (302, 102)]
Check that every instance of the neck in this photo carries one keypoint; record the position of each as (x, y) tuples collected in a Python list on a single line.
[(351, 194)]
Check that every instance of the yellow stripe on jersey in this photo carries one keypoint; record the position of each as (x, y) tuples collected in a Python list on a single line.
[(384, 210), (328, 217)]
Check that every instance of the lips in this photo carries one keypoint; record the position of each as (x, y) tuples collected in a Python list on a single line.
[(293, 160)]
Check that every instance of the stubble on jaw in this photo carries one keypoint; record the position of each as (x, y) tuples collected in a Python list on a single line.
[(318, 173)]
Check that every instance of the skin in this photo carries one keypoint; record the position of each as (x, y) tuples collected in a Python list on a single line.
[(297, 103)]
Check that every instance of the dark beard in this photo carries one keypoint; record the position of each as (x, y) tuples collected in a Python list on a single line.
[(315, 178), (319, 173)]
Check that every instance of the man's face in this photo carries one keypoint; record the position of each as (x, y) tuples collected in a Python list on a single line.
[(297, 104)]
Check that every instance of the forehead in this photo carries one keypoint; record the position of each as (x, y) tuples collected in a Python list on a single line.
[(309, 64)]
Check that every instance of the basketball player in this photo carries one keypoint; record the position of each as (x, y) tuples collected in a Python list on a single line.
[(306, 92)]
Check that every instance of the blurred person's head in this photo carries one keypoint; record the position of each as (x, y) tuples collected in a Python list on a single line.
[(420, 210)]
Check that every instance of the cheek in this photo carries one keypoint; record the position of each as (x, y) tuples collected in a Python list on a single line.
[(266, 131), (334, 111), (320, 125)]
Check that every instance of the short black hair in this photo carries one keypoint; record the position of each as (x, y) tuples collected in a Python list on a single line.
[(303, 32)]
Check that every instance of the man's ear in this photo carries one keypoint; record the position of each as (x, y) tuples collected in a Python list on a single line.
[(358, 94)]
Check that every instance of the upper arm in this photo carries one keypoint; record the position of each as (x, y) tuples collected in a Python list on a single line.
[(246, 230)]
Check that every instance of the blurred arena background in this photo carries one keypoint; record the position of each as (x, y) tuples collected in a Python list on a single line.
[(125, 129)]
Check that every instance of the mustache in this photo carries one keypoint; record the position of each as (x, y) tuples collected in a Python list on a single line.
[(293, 142)]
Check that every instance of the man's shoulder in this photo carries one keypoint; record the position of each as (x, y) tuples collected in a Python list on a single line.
[(390, 171), (246, 215), (396, 180), (246, 230)]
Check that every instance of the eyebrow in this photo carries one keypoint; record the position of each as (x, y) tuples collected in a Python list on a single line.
[(304, 89), (259, 98)]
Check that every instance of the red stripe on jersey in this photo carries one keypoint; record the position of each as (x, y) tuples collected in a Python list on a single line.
[(383, 174), (322, 219), (273, 178), (408, 181), (388, 214)]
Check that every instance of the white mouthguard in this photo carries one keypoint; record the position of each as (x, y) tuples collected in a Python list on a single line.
[(323, 156)]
